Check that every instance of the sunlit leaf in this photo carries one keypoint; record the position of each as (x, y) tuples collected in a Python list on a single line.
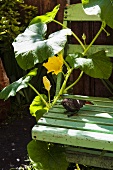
[(85, 2), (48, 17), (102, 8), (97, 65), (71, 59), (31, 47), (47, 156), (14, 87), (54, 64), (37, 107)]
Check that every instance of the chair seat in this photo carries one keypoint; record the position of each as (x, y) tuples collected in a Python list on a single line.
[(91, 127)]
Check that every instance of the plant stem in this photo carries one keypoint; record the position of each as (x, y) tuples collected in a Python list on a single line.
[(85, 51), (75, 82), (100, 30), (49, 97), (39, 95), (78, 40), (58, 83), (68, 67), (26, 95), (60, 23), (77, 167), (63, 86), (107, 33), (76, 37)]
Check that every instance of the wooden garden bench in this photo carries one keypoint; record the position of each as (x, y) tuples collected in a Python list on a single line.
[(88, 135)]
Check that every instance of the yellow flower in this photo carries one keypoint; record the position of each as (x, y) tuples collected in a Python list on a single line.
[(54, 64), (46, 83)]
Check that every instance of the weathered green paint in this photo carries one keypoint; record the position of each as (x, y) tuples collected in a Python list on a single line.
[(88, 98), (88, 157), (91, 127), (88, 151), (73, 48), (75, 12)]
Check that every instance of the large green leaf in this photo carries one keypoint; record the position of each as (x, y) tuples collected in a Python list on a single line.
[(47, 156), (102, 8), (13, 88), (37, 107), (31, 47), (71, 59), (48, 17), (97, 65)]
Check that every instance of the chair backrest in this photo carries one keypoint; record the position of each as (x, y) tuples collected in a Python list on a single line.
[(75, 12)]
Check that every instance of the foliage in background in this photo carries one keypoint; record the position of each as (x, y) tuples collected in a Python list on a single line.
[(14, 18)]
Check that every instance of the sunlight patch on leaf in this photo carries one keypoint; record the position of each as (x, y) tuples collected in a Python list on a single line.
[(14, 87), (37, 107), (31, 47), (95, 10), (97, 65), (85, 2), (48, 17), (101, 8), (72, 57)]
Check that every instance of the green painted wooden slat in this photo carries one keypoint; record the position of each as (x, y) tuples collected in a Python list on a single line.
[(82, 114), (89, 151), (98, 108), (95, 114), (86, 113), (88, 98), (86, 109), (73, 48), (103, 104), (76, 124), (73, 137), (58, 108), (83, 118), (90, 159), (75, 12)]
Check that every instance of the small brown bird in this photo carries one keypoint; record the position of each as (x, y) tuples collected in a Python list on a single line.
[(72, 105)]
